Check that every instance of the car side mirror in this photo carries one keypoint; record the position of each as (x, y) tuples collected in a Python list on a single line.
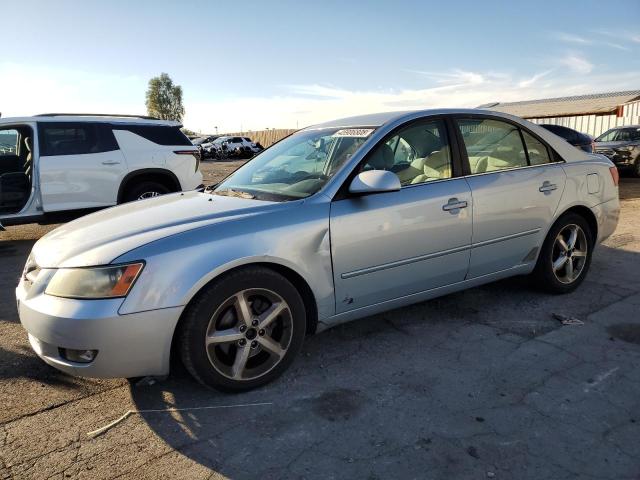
[(374, 181)]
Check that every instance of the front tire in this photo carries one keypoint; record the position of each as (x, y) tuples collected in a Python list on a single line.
[(565, 257), (243, 330)]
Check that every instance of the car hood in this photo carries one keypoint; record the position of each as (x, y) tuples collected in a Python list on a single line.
[(99, 238), (600, 145)]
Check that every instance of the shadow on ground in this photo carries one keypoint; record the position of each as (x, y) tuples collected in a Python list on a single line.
[(476, 383)]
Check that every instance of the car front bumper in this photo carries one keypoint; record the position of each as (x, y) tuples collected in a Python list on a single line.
[(129, 345)]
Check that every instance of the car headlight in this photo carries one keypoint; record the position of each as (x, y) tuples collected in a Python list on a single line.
[(94, 282), (626, 149)]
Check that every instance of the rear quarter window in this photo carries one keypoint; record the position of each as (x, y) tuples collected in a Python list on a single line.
[(158, 134)]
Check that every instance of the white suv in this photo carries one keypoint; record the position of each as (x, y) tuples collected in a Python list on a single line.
[(69, 162)]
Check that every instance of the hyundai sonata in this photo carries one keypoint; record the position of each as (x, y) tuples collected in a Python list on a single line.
[(337, 221)]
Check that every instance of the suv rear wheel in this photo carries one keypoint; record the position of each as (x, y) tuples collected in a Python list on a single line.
[(146, 189)]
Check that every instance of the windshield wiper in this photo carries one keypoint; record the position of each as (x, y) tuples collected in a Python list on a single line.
[(229, 192)]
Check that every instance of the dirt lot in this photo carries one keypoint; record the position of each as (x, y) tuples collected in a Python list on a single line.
[(479, 384)]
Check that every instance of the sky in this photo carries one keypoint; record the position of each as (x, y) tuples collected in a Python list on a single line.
[(287, 64)]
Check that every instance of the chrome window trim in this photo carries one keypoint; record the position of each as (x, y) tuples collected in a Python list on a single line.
[(514, 168)]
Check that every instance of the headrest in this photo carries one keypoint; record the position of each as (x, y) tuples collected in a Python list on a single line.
[(382, 158)]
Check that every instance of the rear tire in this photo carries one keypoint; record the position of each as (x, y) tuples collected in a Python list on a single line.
[(565, 257), (636, 167), (147, 189), (243, 330)]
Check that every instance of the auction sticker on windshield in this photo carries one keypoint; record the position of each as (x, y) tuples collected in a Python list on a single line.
[(354, 132)]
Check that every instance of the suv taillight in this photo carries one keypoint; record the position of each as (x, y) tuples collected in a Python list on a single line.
[(196, 154), (614, 175)]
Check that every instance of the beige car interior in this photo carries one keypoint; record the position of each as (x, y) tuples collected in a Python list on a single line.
[(426, 156), (494, 146)]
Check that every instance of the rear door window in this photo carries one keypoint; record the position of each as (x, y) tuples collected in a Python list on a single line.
[(492, 144), (67, 138)]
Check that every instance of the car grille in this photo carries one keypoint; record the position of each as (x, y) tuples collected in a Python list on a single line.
[(606, 151)]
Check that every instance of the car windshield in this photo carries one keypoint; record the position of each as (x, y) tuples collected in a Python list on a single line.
[(296, 167), (620, 135)]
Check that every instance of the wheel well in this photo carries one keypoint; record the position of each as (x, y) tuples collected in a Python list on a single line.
[(163, 177), (305, 292), (300, 283), (588, 215)]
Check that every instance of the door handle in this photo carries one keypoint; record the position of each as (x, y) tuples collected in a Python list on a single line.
[(547, 186), (454, 205), (111, 162)]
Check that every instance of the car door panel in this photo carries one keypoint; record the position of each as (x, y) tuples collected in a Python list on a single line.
[(80, 165), (81, 181), (385, 246), (511, 215), (515, 190)]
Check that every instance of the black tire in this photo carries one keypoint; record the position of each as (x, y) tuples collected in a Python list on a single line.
[(139, 189), (195, 326), (636, 167), (543, 276)]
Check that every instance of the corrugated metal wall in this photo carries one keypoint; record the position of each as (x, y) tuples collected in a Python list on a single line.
[(596, 124)]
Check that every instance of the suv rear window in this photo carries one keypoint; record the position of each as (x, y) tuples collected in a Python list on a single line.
[(159, 134), (68, 138)]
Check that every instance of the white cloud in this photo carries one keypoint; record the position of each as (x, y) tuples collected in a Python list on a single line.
[(620, 35), (577, 63), (580, 40), (534, 79), (571, 38), (30, 90)]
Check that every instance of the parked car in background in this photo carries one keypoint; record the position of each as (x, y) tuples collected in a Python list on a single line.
[(70, 162), (335, 222), (202, 140), (577, 139), (622, 146), (229, 146)]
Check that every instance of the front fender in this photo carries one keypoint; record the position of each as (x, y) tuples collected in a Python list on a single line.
[(178, 266)]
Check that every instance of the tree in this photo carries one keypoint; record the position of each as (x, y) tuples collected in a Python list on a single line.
[(164, 99)]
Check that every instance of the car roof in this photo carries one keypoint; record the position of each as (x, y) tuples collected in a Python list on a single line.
[(379, 119), (620, 127), (79, 117)]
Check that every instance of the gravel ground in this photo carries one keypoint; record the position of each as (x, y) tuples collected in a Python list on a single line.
[(479, 384)]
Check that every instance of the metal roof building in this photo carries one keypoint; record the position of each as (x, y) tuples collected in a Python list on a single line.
[(592, 114)]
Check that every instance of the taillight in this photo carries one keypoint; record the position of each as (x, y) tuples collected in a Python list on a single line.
[(614, 175), (593, 147), (195, 153)]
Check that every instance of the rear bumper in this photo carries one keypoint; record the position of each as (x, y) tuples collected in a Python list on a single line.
[(607, 215), (128, 345)]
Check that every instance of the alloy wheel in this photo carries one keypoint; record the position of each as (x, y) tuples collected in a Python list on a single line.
[(149, 195), (569, 254), (249, 334)]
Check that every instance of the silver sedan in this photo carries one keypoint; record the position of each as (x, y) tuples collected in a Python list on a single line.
[(336, 222)]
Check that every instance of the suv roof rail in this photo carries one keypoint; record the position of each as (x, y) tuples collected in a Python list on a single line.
[(144, 117)]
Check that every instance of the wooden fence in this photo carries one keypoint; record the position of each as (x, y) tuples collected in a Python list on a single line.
[(265, 137)]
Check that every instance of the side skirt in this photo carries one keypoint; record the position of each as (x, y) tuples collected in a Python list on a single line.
[(324, 324)]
